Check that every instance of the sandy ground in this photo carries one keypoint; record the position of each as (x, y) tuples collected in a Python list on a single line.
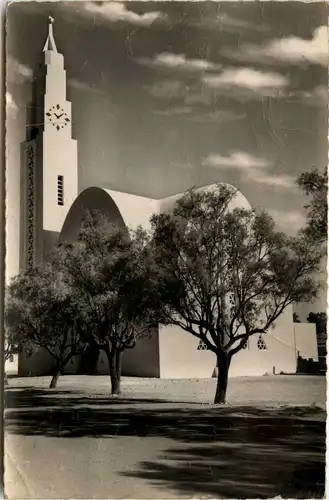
[(163, 439), (267, 390)]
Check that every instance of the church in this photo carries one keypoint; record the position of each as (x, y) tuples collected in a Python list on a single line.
[(52, 210)]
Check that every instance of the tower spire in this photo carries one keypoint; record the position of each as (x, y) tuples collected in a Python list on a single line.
[(50, 42)]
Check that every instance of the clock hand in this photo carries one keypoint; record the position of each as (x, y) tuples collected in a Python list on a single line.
[(58, 116)]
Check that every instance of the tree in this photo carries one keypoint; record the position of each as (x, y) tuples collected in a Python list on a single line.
[(320, 320), (296, 318), (225, 274), (108, 272), (40, 313), (315, 185)]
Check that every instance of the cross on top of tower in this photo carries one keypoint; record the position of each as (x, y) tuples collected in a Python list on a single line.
[(50, 42)]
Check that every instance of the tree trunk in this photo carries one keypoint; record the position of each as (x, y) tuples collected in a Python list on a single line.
[(54, 380), (115, 370), (118, 367), (58, 370), (223, 363)]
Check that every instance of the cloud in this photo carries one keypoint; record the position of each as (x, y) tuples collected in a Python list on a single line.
[(239, 160), (237, 83), (227, 23), (289, 222), (167, 89), (190, 94), (83, 86), (178, 62), (245, 77), (245, 83), (290, 50), (17, 72), (118, 12), (251, 168), (232, 24), (280, 180), (199, 96), (217, 116), (173, 111), (11, 105), (314, 97)]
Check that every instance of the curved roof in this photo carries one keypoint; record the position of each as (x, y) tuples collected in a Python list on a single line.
[(128, 210), (89, 200), (239, 200)]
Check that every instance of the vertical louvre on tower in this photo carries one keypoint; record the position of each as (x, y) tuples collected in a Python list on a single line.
[(30, 208), (60, 190)]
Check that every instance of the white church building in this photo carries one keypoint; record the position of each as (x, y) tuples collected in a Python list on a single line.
[(52, 210)]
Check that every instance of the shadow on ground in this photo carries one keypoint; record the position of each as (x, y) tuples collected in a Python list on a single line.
[(219, 451)]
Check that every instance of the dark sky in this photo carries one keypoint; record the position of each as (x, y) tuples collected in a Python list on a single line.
[(170, 95)]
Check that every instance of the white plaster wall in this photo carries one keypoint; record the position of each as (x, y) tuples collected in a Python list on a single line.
[(179, 356), (60, 152), (143, 359), (166, 205), (102, 367), (306, 342), (60, 157), (135, 210), (280, 352), (39, 363), (72, 366), (55, 76), (12, 257)]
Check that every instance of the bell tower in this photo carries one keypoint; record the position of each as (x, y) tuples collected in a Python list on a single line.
[(50, 165), (60, 157)]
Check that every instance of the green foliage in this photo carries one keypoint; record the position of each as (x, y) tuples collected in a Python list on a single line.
[(296, 318), (96, 290), (108, 273), (39, 312), (320, 320), (225, 273), (315, 185)]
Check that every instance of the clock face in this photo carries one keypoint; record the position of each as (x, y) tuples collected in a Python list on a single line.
[(58, 117)]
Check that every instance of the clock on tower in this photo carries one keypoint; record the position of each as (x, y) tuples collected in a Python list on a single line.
[(57, 117)]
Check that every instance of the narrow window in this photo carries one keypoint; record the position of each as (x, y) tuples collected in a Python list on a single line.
[(60, 190), (11, 358)]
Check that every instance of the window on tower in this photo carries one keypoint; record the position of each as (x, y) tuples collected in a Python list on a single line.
[(60, 190)]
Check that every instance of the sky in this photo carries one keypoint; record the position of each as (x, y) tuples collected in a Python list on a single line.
[(171, 95)]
